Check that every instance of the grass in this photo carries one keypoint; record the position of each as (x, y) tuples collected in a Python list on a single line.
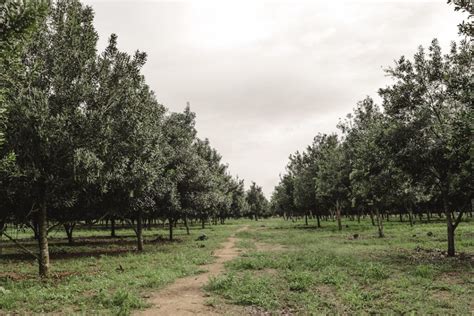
[(285, 267), (100, 274), (320, 271)]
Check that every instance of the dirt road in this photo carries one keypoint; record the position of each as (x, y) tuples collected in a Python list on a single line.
[(186, 295)]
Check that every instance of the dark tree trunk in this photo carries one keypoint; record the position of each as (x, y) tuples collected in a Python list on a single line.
[(68, 227), (34, 226), (43, 242), (140, 230), (338, 216), (203, 223), (112, 228), (2, 227), (170, 222), (306, 219), (318, 219), (372, 217), (186, 225), (379, 223), (451, 227)]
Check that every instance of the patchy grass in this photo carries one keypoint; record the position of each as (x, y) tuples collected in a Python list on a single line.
[(320, 271), (99, 274)]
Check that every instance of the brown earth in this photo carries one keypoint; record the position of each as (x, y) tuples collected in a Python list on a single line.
[(186, 296)]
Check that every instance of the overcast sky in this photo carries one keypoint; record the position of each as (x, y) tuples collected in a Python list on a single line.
[(265, 77)]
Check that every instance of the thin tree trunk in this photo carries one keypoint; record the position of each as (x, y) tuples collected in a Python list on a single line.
[(372, 217), (318, 219), (43, 242), (170, 222), (338, 216), (306, 219), (379, 223), (112, 228), (140, 230), (186, 224), (2, 227), (450, 228), (68, 227), (203, 223)]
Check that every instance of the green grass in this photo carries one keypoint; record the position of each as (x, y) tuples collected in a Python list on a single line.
[(100, 274), (309, 271), (321, 271)]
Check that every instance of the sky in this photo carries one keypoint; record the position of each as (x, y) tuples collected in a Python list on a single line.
[(265, 77)]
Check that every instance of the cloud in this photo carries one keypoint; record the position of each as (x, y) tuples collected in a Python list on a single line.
[(265, 77)]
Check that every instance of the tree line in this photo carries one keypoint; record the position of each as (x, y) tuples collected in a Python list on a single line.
[(412, 158), (83, 138)]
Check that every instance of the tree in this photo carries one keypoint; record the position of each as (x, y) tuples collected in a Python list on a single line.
[(258, 204), (430, 110), (332, 177)]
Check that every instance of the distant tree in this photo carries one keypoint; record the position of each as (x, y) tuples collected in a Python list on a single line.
[(258, 204), (332, 177)]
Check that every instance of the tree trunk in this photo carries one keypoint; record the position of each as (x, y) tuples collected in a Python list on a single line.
[(68, 227), (306, 219), (140, 230), (43, 242), (450, 227), (112, 228), (170, 222), (186, 225), (379, 223), (338, 216), (372, 217), (318, 219), (203, 223), (2, 227)]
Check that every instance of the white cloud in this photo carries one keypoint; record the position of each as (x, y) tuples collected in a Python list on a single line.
[(265, 77)]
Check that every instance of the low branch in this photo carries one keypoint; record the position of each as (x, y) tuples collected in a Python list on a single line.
[(458, 219), (101, 218), (26, 250)]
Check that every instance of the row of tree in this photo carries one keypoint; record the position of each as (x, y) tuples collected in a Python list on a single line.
[(83, 138), (413, 157)]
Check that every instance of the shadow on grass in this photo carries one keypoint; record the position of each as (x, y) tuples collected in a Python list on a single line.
[(98, 247)]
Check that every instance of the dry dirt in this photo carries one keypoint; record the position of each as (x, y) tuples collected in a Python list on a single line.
[(186, 296)]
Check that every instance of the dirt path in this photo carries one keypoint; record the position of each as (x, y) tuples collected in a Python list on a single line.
[(186, 296)]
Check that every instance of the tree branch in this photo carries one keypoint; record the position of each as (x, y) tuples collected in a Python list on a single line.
[(26, 250)]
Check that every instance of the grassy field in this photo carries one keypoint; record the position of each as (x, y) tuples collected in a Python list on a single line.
[(291, 268), (285, 267), (100, 274)]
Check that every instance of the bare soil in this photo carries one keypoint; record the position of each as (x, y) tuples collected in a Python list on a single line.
[(186, 296)]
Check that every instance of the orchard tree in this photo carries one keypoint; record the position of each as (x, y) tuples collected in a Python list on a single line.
[(258, 204), (43, 122), (430, 110), (332, 177)]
